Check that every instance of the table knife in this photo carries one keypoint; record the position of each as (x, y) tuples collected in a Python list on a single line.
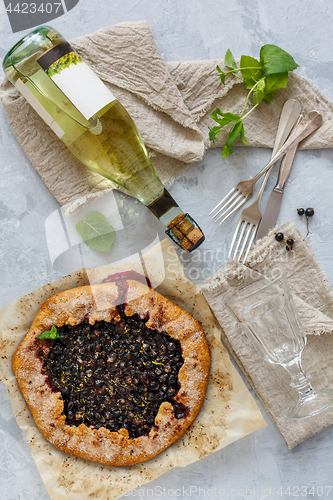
[(273, 205)]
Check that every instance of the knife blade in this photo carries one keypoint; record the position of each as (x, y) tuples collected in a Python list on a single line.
[(274, 201)]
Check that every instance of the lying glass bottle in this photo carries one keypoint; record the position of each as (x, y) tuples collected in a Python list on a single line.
[(92, 123)]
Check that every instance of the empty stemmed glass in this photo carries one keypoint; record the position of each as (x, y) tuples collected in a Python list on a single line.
[(267, 314)]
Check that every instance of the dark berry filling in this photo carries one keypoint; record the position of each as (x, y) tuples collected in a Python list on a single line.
[(114, 375)]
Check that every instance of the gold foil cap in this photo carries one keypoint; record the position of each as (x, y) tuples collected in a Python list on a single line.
[(184, 231)]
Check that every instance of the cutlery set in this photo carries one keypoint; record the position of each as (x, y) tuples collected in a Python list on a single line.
[(252, 224)]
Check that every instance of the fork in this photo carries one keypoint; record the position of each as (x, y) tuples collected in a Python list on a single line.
[(251, 216), (244, 189)]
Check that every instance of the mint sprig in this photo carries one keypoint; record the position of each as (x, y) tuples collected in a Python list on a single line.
[(50, 334), (262, 78)]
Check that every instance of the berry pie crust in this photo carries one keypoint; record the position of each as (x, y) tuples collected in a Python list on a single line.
[(124, 378)]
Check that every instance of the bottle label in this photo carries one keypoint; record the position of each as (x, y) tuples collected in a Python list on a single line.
[(28, 95), (75, 79)]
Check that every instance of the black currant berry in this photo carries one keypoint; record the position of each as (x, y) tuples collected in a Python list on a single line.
[(279, 236), (300, 211), (290, 242), (82, 365), (288, 248), (309, 212)]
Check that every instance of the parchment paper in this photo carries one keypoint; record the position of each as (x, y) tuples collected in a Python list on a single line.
[(229, 412)]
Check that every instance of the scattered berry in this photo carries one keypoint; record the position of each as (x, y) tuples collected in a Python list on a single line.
[(309, 212), (289, 241), (279, 237)]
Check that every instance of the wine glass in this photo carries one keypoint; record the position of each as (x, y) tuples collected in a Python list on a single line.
[(267, 314)]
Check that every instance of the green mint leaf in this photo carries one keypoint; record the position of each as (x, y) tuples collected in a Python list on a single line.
[(259, 92), (222, 74), (242, 136), (270, 96), (253, 74), (261, 85), (50, 334), (276, 81), (230, 116), (273, 83), (96, 232), (234, 133), (226, 117), (257, 97), (226, 151), (230, 60), (214, 133), (276, 60), (232, 136), (216, 116)]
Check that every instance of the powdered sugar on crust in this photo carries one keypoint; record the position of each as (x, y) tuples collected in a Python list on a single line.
[(94, 303)]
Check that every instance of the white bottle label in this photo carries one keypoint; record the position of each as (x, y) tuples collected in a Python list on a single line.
[(28, 95), (75, 79)]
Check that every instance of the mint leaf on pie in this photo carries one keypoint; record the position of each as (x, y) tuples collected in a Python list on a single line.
[(49, 334)]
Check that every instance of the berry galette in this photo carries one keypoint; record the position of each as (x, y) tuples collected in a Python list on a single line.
[(113, 372)]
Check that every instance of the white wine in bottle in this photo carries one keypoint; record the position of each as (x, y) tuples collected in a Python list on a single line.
[(92, 123)]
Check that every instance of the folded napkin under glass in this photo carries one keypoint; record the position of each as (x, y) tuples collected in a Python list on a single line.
[(313, 298), (170, 102)]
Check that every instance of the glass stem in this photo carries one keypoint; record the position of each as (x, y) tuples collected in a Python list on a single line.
[(299, 379)]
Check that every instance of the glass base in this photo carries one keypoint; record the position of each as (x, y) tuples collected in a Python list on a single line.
[(312, 405)]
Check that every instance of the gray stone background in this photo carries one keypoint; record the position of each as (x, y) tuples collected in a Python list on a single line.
[(183, 30)]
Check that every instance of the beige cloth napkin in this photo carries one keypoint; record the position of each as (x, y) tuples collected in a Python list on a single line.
[(313, 297), (170, 103)]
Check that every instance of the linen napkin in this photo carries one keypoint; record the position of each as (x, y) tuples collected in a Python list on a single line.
[(313, 297), (170, 102)]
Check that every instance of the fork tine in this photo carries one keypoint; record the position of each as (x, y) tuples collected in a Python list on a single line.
[(237, 200), (226, 196), (251, 242), (236, 208), (240, 237), (245, 241), (236, 195), (234, 238)]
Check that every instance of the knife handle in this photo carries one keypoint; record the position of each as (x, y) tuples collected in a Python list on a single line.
[(285, 169), (286, 165)]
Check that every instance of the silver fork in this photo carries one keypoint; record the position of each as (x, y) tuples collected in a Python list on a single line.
[(249, 221), (251, 216), (244, 189)]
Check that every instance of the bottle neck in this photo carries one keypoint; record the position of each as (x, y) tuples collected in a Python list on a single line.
[(165, 208)]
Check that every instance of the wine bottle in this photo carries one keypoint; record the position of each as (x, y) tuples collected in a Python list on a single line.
[(92, 123)]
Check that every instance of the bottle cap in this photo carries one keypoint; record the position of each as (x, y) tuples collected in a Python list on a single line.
[(185, 232)]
